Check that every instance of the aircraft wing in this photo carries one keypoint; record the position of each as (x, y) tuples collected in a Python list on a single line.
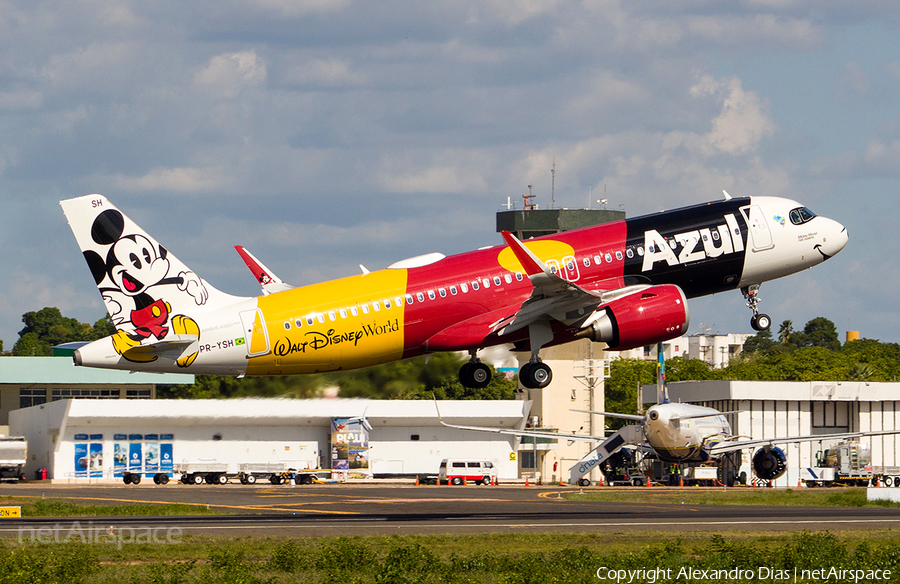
[(552, 295), (267, 280), (514, 432), (731, 445)]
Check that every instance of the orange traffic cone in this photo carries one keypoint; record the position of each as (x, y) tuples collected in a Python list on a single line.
[(526, 481), (680, 481), (648, 481)]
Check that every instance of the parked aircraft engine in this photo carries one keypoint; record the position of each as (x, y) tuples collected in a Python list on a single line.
[(769, 463), (650, 316)]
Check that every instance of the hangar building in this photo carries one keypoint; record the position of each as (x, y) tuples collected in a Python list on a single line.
[(778, 409), (81, 440)]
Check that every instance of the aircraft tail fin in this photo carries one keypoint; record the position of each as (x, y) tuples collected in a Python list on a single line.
[(146, 289)]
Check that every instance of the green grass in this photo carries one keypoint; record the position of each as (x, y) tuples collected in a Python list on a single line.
[(493, 559), (842, 497), (63, 508)]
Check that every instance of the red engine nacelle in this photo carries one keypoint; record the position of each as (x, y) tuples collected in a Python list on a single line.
[(650, 316)]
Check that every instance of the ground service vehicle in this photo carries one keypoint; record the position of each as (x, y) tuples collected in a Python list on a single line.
[(849, 463), (13, 455), (458, 471)]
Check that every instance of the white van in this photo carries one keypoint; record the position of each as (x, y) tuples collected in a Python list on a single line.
[(455, 471)]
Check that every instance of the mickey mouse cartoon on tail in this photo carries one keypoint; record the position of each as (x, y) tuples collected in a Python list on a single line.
[(139, 285)]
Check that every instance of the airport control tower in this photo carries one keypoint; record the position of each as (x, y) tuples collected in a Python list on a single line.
[(533, 222), (579, 368)]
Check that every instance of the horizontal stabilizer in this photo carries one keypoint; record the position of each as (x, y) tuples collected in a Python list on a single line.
[(268, 281), (173, 347)]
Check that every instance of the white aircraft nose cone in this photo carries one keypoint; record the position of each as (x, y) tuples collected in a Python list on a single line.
[(834, 241)]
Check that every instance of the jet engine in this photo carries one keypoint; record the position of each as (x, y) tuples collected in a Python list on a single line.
[(652, 315), (769, 463)]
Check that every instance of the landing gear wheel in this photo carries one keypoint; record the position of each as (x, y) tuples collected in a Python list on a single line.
[(761, 322), (535, 375), (475, 375)]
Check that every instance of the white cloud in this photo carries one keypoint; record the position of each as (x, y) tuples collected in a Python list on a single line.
[(852, 82), (22, 99), (883, 159), (743, 121), (324, 73), (175, 180), (229, 73)]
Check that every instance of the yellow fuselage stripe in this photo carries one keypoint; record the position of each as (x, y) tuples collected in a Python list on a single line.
[(356, 322)]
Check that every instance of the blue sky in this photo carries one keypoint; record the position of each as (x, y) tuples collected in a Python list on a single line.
[(323, 134)]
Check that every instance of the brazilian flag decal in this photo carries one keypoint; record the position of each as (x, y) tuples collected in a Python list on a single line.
[(239, 341)]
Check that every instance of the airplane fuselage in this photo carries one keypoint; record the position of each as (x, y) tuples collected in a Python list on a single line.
[(435, 303), (684, 432)]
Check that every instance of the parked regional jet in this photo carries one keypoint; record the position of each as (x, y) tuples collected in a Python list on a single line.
[(624, 283), (679, 433)]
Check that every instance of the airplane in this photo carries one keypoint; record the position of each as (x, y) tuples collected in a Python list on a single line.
[(677, 433), (624, 283)]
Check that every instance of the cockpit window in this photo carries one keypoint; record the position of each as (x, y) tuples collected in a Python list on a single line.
[(801, 215)]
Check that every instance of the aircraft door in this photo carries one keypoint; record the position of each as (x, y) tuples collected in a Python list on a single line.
[(759, 229), (256, 337)]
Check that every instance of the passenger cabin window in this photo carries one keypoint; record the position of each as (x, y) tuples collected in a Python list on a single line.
[(519, 276), (376, 305), (486, 282), (464, 288), (442, 292), (475, 285), (453, 290), (354, 311), (420, 296), (310, 320), (431, 295), (343, 313), (496, 280), (629, 253), (320, 318), (398, 301), (619, 256), (586, 262), (508, 278), (801, 215), (387, 303), (332, 316), (287, 325), (365, 308), (298, 323), (609, 258), (409, 299), (598, 260)]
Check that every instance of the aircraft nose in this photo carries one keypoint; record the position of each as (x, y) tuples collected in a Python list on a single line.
[(834, 240)]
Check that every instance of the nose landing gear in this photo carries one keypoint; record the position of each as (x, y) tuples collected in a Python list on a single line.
[(759, 322)]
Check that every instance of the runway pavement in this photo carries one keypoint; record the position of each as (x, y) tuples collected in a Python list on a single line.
[(319, 510)]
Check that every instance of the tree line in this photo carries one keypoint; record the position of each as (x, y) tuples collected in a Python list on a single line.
[(813, 353)]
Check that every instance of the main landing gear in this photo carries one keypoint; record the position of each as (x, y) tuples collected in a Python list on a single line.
[(535, 374), (759, 322), (475, 374)]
